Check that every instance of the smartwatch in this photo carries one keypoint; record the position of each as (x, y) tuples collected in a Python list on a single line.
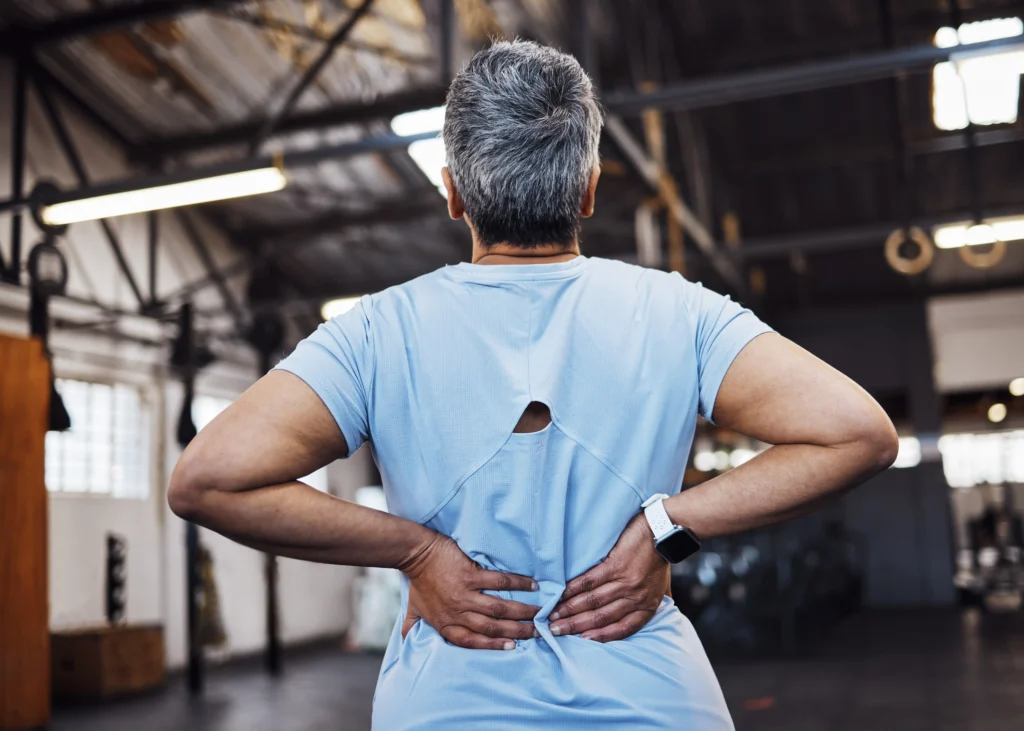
[(674, 542)]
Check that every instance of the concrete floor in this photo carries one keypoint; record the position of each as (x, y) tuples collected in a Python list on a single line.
[(935, 670)]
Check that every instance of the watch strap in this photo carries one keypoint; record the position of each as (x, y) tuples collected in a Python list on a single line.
[(657, 517)]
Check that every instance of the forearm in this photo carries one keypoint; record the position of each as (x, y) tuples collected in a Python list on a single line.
[(298, 521), (783, 482)]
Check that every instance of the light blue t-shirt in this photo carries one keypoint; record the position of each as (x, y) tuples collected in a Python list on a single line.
[(436, 373)]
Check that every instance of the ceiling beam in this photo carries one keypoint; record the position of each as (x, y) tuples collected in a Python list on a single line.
[(399, 210), (811, 158), (76, 25), (722, 90), (853, 237), (384, 107)]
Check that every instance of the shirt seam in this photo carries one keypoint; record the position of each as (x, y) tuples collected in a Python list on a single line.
[(611, 468)]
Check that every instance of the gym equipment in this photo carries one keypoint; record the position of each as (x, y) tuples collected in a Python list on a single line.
[(760, 594)]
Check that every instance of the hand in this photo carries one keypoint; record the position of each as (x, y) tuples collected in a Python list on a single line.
[(618, 596), (446, 591)]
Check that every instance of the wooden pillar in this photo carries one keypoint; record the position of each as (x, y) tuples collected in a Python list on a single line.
[(24, 592)]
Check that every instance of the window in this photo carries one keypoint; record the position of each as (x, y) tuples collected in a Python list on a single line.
[(106, 451), (975, 459), (205, 410), (985, 87)]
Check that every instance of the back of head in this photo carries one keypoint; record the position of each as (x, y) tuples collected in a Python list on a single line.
[(521, 129)]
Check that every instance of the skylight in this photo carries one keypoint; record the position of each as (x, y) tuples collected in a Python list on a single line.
[(991, 82), (429, 155)]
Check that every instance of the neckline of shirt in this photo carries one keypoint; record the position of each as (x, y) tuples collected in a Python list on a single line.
[(498, 272)]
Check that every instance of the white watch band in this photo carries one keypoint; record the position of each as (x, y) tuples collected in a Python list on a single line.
[(657, 517)]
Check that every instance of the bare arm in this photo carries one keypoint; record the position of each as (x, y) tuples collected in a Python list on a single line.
[(829, 436), (239, 477)]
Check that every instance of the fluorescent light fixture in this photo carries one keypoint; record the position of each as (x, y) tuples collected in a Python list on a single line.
[(338, 307), (1017, 387), (173, 195), (429, 155), (955, 235), (996, 413)]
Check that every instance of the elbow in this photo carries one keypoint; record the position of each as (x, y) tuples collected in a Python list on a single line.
[(185, 491), (880, 443)]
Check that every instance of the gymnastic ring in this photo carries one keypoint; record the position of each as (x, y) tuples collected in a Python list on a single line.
[(983, 259), (926, 251)]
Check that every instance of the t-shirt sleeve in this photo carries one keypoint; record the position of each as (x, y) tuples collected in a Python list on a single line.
[(721, 329), (336, 361)]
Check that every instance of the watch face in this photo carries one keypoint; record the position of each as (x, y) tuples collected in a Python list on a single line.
[(678, 546)]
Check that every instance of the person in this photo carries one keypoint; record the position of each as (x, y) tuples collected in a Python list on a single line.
[(522, 409)]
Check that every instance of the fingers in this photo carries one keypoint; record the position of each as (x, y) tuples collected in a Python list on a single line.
[(590, 601), (498, 608), (600, 574), (595, 619), (497, 628), (625, 627), (410, 619), (462, 637), (496, 581)]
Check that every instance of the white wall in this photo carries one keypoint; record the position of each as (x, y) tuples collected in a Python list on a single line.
[(314, 600), (978, 340)]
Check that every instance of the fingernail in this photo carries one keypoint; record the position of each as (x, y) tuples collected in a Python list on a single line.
[(534, 585), (510, 645), (587, 636), (556, 631), (554, 615)]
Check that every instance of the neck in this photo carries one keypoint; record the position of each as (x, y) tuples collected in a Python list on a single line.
[(511, 254)]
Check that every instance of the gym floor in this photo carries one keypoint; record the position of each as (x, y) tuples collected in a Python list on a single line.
[(935, 670)]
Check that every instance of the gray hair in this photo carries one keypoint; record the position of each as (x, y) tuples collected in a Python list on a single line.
[(521, 130)]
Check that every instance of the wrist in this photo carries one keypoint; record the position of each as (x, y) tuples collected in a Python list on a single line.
[(420, 543), (681, 511)]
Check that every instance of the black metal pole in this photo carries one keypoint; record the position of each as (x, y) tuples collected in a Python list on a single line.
[(309, 76), (956, 18), (19, 110), (154, 241), (905, 180), (196, 674), (184, 358), (447, 42), (273, 651)]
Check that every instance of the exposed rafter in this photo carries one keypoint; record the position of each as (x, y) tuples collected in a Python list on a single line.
[(105, 19), (762, 84), (333, 116)]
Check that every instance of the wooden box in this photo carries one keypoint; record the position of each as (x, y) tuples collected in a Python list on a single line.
[(103, 662)]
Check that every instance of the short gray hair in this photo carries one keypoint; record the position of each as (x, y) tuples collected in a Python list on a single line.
[(521, 129)]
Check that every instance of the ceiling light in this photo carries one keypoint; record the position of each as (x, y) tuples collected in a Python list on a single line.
[(996, 413), (429, 155), (172, 195), (955, 235), (1017, 387), (338, 307)]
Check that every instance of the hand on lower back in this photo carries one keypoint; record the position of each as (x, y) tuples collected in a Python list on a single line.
[(618, 596), (446, 591)]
